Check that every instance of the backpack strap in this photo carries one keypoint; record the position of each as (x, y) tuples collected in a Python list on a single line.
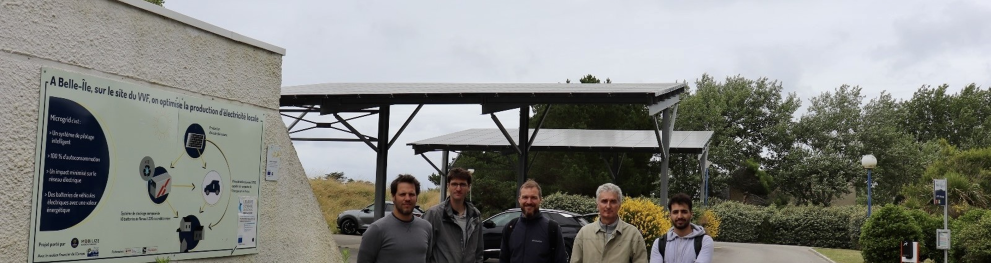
[(661, 244), (698, 245), (508, 231), (552, 228)]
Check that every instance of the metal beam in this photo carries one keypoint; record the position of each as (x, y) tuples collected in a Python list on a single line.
[(488, 108), (654, 109), (524, 147), (401, 129), (382, 160), (431, 164), (445, 168), (296, 121), (667, 123), (506, 133), (539, 124), (355, 131), (327, 139), (339, 108)]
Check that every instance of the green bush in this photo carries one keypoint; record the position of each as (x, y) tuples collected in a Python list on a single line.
[(958, 226), (743, 223), (575, 203), (976, 240), (811, 226), (928, 223), (884, 231)]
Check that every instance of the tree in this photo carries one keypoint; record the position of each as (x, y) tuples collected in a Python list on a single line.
[(157, 2), (338, 176), (750, 119), (434, 178), (823, 162), (962, 119), (901, 159)]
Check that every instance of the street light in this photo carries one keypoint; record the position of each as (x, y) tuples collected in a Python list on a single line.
[(869, 163)]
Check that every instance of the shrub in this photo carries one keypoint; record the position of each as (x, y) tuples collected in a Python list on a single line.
[(958, 226), (742, 223), (710, 221), (883, 232), (811, 226), (928, 223), (976, 240), (575, 203), (651, 219)]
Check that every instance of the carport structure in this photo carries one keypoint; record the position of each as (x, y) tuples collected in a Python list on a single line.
[(564, 140), (377, 98)]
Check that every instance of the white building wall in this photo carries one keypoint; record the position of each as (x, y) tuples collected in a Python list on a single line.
[(134, 41)]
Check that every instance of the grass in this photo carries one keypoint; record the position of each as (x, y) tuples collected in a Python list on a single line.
[(335, 197), (841, 255)]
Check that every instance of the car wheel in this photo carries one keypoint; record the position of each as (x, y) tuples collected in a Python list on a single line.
[(349, 227)]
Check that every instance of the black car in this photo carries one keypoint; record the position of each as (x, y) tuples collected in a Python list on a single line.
[(492, 228)]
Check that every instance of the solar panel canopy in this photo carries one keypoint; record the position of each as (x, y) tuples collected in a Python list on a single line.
[(567, 140)]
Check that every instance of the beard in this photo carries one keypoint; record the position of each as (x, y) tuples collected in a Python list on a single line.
[(404, 211), (530, 211), (681, 224)]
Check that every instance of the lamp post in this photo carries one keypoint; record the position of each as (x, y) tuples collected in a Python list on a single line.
[(869, 163)]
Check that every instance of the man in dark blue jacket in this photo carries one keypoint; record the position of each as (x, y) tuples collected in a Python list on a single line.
[(528, 239)]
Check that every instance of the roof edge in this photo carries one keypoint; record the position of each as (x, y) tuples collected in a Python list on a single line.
[(167, 13)]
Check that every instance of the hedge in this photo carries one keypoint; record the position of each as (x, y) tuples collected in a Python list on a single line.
[(574, 203), (743, 223)]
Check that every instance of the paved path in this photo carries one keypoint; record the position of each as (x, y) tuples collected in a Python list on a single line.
[(350, 242), (745, 253), (724, 252)]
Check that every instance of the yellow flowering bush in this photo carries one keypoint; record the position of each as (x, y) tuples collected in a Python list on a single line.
[(709, 220), (651, 219)]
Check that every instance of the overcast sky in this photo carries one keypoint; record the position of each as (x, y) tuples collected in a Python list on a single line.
[(893, 46)]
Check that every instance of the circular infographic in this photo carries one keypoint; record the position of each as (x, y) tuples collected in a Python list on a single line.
[(76, 165), (190, 233), (212, 185), (146, 167), (194, 140)]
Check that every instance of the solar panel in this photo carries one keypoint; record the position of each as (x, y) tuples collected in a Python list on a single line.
[(568, 140)]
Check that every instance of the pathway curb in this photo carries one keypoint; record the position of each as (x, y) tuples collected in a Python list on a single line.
[(821, 255)]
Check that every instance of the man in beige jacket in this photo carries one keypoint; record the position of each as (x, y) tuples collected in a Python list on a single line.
[(609, 239)]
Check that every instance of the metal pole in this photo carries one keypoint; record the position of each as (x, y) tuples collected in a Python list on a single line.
[(946, 251), (667, 121), (382, 160), (869, 186), (705, 189), (524, 146), (444, 168)]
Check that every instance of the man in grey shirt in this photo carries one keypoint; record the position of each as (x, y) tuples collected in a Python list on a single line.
[(398, 237)]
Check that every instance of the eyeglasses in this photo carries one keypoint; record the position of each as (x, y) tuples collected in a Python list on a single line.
[(462, 185)]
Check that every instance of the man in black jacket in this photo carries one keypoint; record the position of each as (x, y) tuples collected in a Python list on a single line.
[(457, 224), (528, 239)]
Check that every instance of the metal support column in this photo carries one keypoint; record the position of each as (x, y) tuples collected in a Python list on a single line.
[(667, 125), (445, 167), (704, 165), (524, 146), (382, 161)]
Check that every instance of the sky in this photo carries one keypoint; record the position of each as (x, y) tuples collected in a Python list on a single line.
[(811, 47)]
